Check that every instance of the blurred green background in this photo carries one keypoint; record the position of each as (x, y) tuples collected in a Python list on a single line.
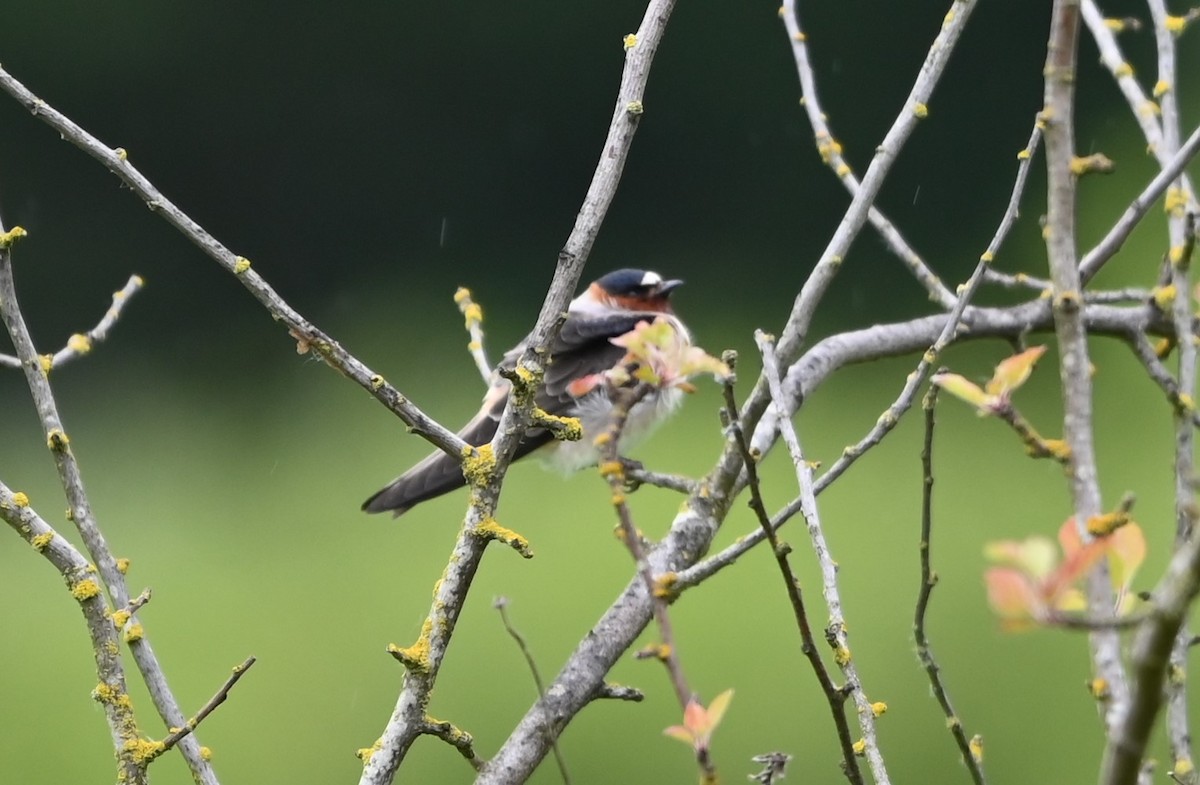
[(369, 158)]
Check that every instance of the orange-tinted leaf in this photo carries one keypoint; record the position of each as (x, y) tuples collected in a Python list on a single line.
[(1011, 594), (1034, 556), (716, 709), (1069, 537), (963, 389), (1012, 372), (1126, 552), (1074, 567), (680, 733)]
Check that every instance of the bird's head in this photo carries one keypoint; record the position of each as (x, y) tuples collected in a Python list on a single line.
[(629, 290)]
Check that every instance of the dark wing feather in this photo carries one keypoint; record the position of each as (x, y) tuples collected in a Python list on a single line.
[(438, 473), (582, 347)]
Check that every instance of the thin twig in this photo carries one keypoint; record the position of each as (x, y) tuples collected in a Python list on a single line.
[(216, 700), (835, 697), (929, 579), (830, 151), (80, 344), (1158, 373), (890, 418), (454, 736), (613, 471), (81, 514), (672, 482), (1104, 250), (835, 633), (501, 606), (307, 335), (473, 316)]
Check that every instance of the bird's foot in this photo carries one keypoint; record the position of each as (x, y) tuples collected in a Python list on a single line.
[(631, 467)]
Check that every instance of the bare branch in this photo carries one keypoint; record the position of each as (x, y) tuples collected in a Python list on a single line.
[(900, 338), (216, 700), (485, 467), (501, 606), (81, 513), (307, 335), (835, 633), (830, 151), (80, 344), (835, 697), (110, 692), (929, 579), (473, 314)]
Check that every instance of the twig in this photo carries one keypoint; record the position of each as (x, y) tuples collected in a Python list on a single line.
[(672, 482), (1075, 367), (890, 418), (110, 691), (1159, 374), (899, 338), (835, 633), (835, 697), (216, 700), (618, 692), (455, 737), (80, 344), (487, 465), (914, 109), (307, 335), (929, 579), (1181, 233), (613, 471), (81, 513), (1145, 111), (830, 151), (501, 606), (473, 315), (1104, 250), (1151, 653)]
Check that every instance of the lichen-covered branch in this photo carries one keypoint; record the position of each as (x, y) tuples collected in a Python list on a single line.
[(81, 514), (130, 749), (486, 466), (80, 344)]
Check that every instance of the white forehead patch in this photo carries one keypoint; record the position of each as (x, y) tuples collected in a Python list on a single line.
[(651, 279)]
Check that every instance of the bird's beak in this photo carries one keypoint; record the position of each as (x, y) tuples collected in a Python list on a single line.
[(666, 287)]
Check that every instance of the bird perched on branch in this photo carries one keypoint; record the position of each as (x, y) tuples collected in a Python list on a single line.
[(610, 307)]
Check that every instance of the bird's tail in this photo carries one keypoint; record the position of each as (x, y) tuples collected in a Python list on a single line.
[(437, 474)]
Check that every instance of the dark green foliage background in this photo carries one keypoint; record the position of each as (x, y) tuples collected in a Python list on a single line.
[(369, 158)]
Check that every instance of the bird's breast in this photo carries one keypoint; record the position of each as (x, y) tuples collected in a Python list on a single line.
[(595, 413)]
